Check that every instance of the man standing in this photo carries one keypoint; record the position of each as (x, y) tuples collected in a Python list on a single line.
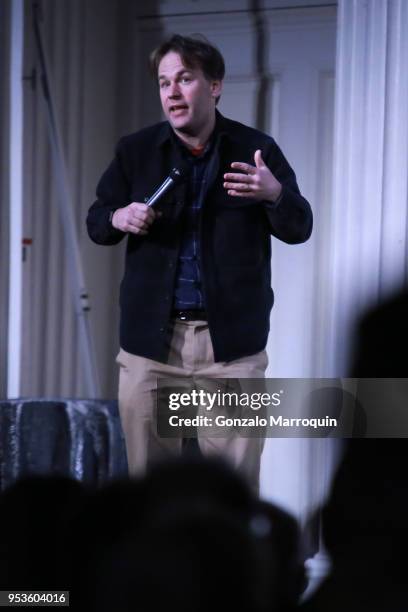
[(196, 295)]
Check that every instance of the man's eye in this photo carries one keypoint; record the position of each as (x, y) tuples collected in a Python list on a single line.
[(185, 79), (163, 84)]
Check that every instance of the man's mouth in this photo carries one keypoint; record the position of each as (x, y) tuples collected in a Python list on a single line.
[(178, 107)]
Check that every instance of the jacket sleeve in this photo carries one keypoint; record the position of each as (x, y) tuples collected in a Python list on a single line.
[(290, 218), (112, 192)]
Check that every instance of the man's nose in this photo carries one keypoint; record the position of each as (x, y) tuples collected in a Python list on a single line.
[(173, 91)]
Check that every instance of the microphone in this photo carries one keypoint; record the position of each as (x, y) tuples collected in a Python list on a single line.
[(176, 176)]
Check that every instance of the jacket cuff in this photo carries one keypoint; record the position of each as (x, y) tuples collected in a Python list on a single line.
[(273, 205), (113, 230)]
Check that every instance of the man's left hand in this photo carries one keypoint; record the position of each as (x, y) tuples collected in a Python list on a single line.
[(256, 182)]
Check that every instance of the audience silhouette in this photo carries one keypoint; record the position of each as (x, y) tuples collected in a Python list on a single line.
[(365, 519), (189, 536)]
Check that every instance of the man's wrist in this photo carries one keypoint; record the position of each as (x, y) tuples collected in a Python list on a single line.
[(110, 218), (276, 197)]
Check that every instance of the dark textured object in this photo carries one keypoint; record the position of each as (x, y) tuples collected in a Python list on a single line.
[(78, 438)]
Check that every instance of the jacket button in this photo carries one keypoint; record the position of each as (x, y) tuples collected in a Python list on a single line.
[(171, 264), (162, 329)]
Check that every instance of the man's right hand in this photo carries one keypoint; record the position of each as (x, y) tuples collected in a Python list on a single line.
[(135, 218)]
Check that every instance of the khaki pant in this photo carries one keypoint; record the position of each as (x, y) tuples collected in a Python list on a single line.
[(191, 354)]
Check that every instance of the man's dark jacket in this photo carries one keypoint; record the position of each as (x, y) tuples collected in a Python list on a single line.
[(234, 234)]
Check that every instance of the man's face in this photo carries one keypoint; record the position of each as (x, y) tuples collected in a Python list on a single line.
[(187, 97)]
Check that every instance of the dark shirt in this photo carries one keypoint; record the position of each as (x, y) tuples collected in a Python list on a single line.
[(234, 235), (188, 292)]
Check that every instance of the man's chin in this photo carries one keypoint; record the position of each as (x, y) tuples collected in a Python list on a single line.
[(179, 124), (183, 127)]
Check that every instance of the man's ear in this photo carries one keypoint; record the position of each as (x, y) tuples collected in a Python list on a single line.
[(216, 88)]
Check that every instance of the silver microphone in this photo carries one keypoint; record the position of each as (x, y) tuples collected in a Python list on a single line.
[(176, 176)]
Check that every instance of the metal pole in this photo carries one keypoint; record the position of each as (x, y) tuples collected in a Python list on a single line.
[(16, 197)]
